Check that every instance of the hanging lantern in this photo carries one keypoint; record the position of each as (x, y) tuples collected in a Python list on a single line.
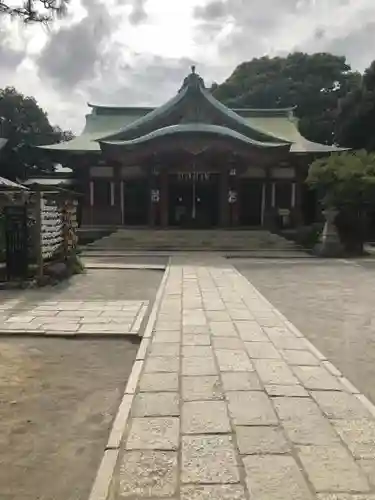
[(232, 196), (155, 195)]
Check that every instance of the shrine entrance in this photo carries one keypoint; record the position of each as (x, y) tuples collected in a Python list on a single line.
[(194, 199)]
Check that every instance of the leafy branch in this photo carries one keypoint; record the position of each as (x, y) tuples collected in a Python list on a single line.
[(31, 11)]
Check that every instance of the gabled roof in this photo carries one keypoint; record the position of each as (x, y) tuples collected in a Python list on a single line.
[(194, 106), (7, 185)]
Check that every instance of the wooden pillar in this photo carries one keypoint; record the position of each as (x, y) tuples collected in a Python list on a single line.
[(164, 198), (92, 200), (236, 204), (297, 194), (116, 195), (122, 201), (223, 199), (153, 203), (269, 197)]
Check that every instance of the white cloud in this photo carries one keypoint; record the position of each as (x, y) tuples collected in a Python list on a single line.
[(138, 51)]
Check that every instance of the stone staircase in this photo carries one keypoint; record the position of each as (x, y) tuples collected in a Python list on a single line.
[(223, 241)]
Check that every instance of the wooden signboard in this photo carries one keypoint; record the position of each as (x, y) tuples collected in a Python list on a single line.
[(16, 237)]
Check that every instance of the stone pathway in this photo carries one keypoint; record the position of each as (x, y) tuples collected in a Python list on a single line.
[(85, 317), (228, 401)]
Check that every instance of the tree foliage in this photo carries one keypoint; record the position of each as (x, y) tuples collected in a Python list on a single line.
[(356, 117), (314, 84), (344, 179), (25, 125), (35, 10)]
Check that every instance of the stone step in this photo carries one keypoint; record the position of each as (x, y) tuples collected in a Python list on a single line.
[(170, 240)]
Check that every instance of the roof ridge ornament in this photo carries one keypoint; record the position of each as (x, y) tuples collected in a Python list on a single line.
[(193, 80)]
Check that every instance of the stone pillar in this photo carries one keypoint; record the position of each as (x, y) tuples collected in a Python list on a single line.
[(223, 199), (164, 198), (330, 244)]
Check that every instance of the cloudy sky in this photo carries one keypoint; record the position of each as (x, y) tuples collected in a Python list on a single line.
[(136, 52)]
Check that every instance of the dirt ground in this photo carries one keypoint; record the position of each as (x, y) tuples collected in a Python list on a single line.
[(58, 397), (331, 302), (58, 400)]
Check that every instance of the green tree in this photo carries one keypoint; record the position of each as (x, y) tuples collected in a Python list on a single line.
[(346, 181), (25, 125), (356, 117), (314, 84), (35, 10)]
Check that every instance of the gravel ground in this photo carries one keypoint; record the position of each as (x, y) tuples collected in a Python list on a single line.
[(331, 302)]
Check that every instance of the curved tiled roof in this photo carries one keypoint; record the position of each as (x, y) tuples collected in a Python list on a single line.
[(194, 128), (136, 125)]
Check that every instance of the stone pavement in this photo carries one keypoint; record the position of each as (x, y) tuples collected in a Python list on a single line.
[(228, 401), (75, 317)]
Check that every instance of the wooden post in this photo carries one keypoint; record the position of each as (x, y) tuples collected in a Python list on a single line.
[(164, 198), (122, 201), (92, 200), (223, 198)]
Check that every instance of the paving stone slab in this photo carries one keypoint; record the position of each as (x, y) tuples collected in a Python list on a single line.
[(339, 405), (250, 331), (196, 339), (197, 351), (165, 349), (148, 404), (158, 382), (332, 469), (262, 350), (368, 466), (261, 440), (223, 329), (272, 371), (205, 417), (303, 422), (251, 408), (316, 377), (287, 390), (301, 358), (232, 343), (344, 496), (273, 477), (198, 366), (358, 435), (215, 492), (202, 388), (209, 459), (241, 381), (148, 474), (153, 434), (165, 364), (171, 336), (233, 361)]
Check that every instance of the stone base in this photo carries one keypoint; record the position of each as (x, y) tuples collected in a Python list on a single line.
[(331, 249)]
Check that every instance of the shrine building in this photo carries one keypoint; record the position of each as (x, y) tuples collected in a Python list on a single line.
[(192, 162)]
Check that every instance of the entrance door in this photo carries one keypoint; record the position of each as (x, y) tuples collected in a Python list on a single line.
[(193, 200), (136, 202), (251, 194)]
